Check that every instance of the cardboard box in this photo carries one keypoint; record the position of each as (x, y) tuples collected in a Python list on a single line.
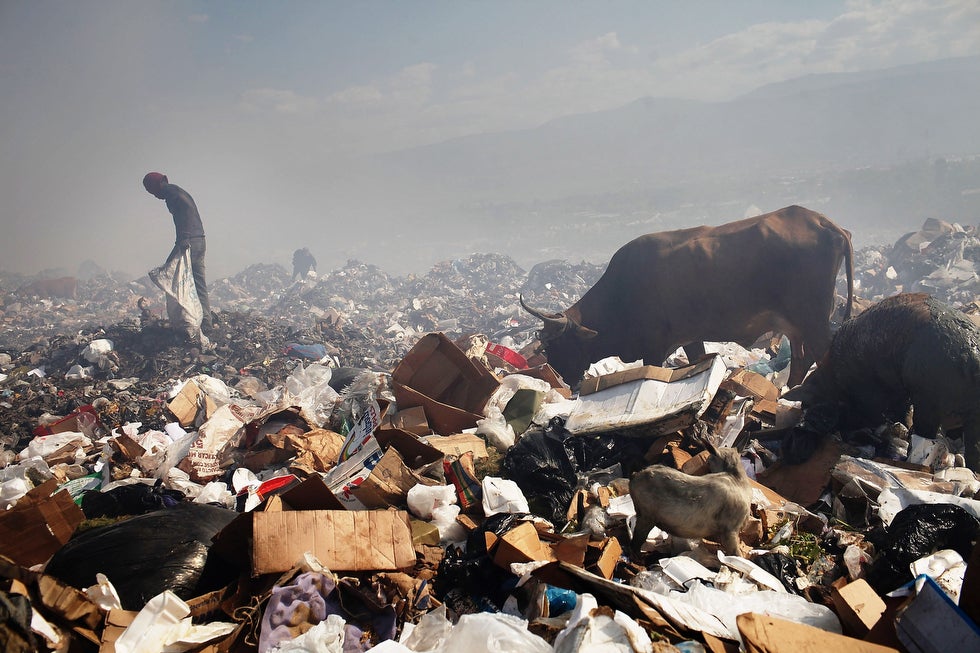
[(38, 525), (388, 483), (645, 396), (601, 557), (746, 383), (437, 375), (858, 606), (189, 402), (71, 423), (764, 634), (343, 540), (408, 419), (520, 544)]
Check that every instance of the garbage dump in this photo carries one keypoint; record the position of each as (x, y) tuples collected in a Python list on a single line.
[(369, 462)]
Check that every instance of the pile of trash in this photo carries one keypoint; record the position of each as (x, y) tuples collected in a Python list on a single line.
[(365, 462)]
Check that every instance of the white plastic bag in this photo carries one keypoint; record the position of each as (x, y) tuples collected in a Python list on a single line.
[(502, 495), (486, 632), (176, 279), (422, 500)]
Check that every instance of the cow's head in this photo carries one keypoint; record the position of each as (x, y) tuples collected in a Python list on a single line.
[(565, 342)]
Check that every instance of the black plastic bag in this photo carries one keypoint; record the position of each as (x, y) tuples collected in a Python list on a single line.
[(916, 532), (783, 567), (134, 499), (147, 554), (540, 466)]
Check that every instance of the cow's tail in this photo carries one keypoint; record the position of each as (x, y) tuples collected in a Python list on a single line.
[(849, 271)]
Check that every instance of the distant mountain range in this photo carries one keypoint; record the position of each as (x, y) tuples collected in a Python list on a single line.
[(813, 123)]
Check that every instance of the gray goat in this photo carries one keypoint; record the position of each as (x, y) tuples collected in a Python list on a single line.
[(715, 505)]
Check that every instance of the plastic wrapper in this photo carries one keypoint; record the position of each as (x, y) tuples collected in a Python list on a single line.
[(45, 445), (144, 555), (539, 464), (782, 605), (783, 567), (444, 518)]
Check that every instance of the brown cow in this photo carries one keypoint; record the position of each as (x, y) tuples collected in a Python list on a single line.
[(730, 283), (62, 287)]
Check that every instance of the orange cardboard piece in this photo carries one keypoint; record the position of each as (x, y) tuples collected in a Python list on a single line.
[(437, 375), (858, 606), (765, 634), (697, 465), (38, 525), (343, 540)]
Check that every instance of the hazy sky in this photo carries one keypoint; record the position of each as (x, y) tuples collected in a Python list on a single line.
[(253, 107)]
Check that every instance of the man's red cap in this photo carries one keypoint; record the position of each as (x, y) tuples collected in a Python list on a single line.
[(153, 181)]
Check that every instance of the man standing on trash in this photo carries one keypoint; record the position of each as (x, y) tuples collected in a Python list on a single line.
[(190, 233)]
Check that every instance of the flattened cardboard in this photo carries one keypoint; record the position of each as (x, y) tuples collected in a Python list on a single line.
[(671, 399), (343, 540), (415, 452), (457, 445), (442, 417), (38, 525), (764, 634), (644, 373), (408, 419)]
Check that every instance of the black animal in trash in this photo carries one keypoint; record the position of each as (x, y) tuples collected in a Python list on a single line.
[(908, 351)]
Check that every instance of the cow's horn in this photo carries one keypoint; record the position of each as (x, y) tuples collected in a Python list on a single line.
[(557, 318)]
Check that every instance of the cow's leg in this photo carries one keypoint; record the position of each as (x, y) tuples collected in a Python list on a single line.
[(694, 351), (808, 345)]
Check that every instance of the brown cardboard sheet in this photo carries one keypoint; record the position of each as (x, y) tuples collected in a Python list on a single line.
[(343, 540)]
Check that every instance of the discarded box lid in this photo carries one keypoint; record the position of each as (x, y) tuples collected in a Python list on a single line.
[(343, 540), (645, 395)]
